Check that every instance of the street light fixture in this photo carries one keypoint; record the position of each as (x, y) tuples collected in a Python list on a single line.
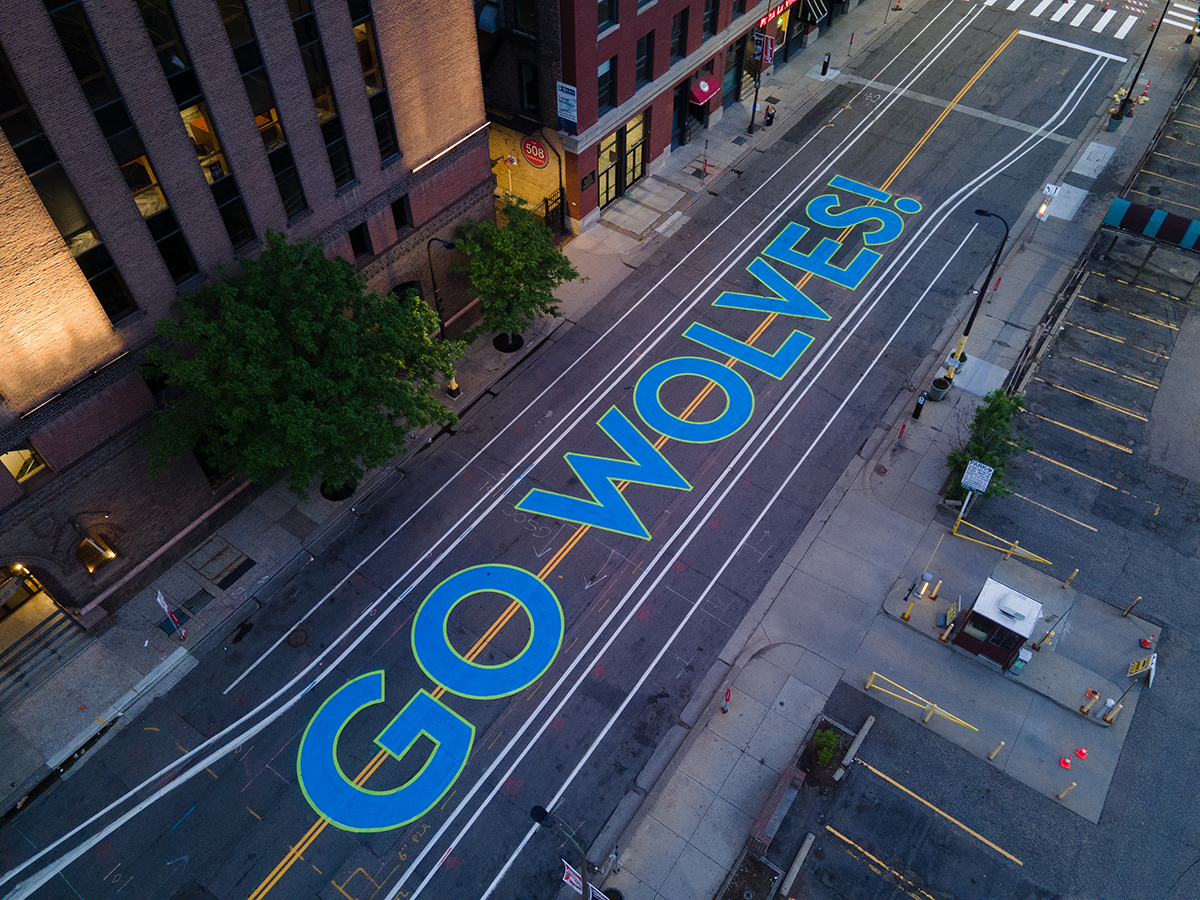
[(452, 388), (958, 354), (548, 821)]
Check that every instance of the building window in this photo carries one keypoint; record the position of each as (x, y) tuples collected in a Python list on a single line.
[(262, 103), (607, 13), (401, 213), (526, 15), (304, 24), (527, 84), (23, 462), (24, 132), (645, 59), (739, 8), (177, 67), (95, 553), (79, 43), (606, 85), (710, 18), (679, 26), (368, 56), (360, 242)]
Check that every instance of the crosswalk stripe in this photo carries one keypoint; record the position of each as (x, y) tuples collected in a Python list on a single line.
[(1081, 15), (1014, 5), (1062, 11), (1104, 20), (1124, 29), (1041, 7)]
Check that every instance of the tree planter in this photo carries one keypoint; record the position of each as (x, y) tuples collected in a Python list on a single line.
[(815, 774), (338, 494), (508, 343)]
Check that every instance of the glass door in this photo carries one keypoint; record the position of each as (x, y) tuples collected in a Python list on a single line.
[(634, 139), (607, 170)]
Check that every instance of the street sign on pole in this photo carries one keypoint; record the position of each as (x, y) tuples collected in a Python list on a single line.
[(977, 477), (571, 876)]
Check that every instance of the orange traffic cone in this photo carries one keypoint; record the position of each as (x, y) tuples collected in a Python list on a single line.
[(1146, 641), (1154, 24), (1081, 752), (1065, 762)]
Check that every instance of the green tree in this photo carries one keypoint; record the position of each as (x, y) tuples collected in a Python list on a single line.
[(993, 441), (515, 268), (291, 363)]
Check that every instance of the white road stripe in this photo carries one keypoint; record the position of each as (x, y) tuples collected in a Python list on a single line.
[(1081, 15), (1040, 8), (1124, 29), (1104, 20), (1060, 42), (1014, 5), (1062, 11)]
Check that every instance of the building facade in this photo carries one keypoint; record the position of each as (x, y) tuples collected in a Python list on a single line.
[(146, 144), (587, 97)]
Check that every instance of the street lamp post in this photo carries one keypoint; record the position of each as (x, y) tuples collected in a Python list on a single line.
[(958, 353), (548, 821), (452, 388), (1126, 100)]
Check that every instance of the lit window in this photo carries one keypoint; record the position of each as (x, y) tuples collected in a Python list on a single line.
[(23, 462), (95, 553)]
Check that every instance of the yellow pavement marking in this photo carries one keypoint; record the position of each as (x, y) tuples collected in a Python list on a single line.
[(1133, 315), (943, 814), (881, 864), (1056, 512), (1104, 403), (1080, 431), (1169, 178), (1161, 199), (578, 534), (1133, 378), (1100, 481), (253, 813), (1158, 354), (1187, 162), (1138, 286)]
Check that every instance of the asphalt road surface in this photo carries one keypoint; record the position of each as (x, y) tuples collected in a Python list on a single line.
[(808, 314)]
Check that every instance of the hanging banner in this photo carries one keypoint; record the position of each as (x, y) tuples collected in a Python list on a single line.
[(571, 877)]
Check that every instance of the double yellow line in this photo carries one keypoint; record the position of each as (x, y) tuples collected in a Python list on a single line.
[(296, 852)]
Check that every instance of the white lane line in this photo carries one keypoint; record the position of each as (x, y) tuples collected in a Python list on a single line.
[(1081, 15), (950, 205), (1060, 42), (1104, 20), (1040, 8), (1016, 4), (1124, 29), (679, 311)]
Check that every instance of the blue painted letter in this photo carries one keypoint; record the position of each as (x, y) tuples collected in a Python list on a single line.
[(608, 509), (776, 364), (818, 262), (354, 808), (790, 300), (739, 400)]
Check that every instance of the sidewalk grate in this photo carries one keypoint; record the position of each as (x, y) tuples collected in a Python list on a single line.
[(231, 579), (33, 660), (197, 602)]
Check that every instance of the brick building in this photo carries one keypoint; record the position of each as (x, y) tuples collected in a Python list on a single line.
[(144, 144), (588, 96)]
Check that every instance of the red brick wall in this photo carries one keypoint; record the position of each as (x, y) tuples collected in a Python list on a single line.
[(92, 422)]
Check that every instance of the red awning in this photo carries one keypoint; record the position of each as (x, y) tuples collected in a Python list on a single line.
[(705, 89)]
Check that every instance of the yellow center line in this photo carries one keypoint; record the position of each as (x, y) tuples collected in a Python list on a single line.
[(1097, 400), (943, 814), (1081, 432), (511, 610)]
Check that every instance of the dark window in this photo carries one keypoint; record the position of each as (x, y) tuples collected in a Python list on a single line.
[(645, 59), (739, 8), (262, 102), (710, 18), (304, 24), (360, 242), (527, 78), (606, 85), (607, 13), (368, 57), (75, 33), (402, 213), (679, 25), (526, 15)]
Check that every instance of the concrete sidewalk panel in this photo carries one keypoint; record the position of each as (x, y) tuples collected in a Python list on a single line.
[(710, 760), (800, 703), (682, 804), (779, 737), (721, 834), (761, 680), (858, 577), (694, 875), (817, 672), (739, 724), (872, 532), (652, 853), (749, 784)]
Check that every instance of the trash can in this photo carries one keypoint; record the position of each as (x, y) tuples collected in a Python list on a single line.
[(940, 388)]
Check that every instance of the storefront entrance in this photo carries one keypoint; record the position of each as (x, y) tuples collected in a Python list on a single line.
[(622, 158)]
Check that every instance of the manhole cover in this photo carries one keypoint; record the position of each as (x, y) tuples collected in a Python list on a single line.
[(881, 469), (298, 638)]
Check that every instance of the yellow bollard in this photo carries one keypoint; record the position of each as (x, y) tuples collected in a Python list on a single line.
[(908, 612), (936, 587), (452, 388), (945, 635), (1008, 554), (1111, 715), (929, 712), (924, 588), (1067, 583), (1086, 709), (870, 681), (1067, 790), (1048, 636), (1000, 747), (1129, 609)]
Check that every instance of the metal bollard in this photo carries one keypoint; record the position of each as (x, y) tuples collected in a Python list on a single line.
[(1067, 790), (933, 593), (1067, 583), (825, 66), (992, 755), (1129, 608), (921, 398)]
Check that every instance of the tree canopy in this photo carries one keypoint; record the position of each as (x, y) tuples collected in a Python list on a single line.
[(993, 441), (514, 267), (291, 363)]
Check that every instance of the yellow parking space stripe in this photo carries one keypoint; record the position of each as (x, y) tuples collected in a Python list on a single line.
[(1161, 199), (1133, 378), (942, 813), (1081, 432), (1056, 512), (1138, 286), (882, 865), (1132, 315), (1157, 354), (1097, 400)]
